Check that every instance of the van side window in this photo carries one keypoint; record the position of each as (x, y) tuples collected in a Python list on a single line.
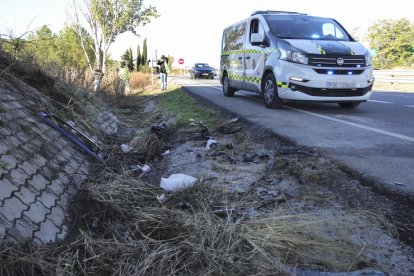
[(329, 30), (234, 37), (256, 27)]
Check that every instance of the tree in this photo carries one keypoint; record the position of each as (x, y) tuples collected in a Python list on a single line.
[(69, 52), (138, 58), (130, 62), (105, 20), (393, 42), (144, 53), (170, 61), (42, 45)]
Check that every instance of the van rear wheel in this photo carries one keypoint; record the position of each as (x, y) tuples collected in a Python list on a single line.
[(227, 90), (269, 92)]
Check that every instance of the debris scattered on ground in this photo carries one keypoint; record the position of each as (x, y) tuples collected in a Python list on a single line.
[(262, 205), (209, 143), (126, 148)]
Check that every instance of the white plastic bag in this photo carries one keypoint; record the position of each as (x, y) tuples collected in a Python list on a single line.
[(209, 143), (177, 182), (126, 148)]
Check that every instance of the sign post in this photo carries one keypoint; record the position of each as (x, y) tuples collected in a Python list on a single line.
[(181, 62)]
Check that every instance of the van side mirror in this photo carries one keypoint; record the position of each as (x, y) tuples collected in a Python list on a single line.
[(257, 39)]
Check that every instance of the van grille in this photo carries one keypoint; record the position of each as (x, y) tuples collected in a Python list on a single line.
[(324, 92), (331, 61)]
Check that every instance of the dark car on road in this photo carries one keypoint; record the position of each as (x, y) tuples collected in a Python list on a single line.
[(202, 70)]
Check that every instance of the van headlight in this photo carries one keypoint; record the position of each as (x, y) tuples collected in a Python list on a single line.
[(292, 54), (368, 58)]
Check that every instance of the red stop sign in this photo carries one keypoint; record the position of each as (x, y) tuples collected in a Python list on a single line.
[(181, 61)]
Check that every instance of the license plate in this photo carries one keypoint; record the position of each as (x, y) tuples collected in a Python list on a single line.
[(340, 84), (205, 74)]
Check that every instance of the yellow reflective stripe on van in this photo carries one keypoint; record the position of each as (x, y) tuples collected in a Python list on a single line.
[(255, 80), (232, 52), (252, 79), (249, 51), (236, 77), (244, 78), (253, 51), (319, 48), (281, 84)]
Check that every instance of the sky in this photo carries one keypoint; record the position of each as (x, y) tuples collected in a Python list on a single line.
[(192, 29)]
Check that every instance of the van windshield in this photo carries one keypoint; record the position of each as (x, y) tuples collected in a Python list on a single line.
[(306, 27)]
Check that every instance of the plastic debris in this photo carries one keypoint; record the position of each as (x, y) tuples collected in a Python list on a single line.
[(165, 152), (209, 143), (126, 148), (205, 134), (161, 198), (177, 182), (145, 168), (233, 120)]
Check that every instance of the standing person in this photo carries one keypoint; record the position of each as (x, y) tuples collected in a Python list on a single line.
[(164, 71), (125, 76)]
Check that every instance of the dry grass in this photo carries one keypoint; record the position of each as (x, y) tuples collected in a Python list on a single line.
[(139, 81), (120, 228)]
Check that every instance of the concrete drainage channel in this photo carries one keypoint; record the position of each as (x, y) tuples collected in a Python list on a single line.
[(40, 168)]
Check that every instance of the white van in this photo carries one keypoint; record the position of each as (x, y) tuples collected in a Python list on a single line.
[(295, 56)]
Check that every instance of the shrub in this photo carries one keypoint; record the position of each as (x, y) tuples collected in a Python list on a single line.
[(139, 81)]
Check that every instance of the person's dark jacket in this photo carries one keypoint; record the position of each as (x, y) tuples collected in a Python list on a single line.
[(163, 63)]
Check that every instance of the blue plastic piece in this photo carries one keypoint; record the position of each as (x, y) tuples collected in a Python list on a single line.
[(43, 116)]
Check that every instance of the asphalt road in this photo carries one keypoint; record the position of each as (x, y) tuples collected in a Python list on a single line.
[(375, 139)]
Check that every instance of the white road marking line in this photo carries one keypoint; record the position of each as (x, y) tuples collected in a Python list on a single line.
[(218, 88), (407, 95), (379, 101), (409, 105), (380, 131)]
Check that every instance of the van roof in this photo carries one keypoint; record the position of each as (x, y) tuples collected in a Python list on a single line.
[(276, 12)]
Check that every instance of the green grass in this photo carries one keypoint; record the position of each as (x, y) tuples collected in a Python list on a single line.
[(4, 165), (182, 106)]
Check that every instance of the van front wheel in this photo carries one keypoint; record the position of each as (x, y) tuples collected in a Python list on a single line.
[(227, 90), (269, 92)]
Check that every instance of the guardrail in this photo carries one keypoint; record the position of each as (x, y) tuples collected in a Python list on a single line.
[(394, 76)]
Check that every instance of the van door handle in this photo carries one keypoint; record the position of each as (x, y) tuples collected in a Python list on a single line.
[(248, 57), (240, 57)]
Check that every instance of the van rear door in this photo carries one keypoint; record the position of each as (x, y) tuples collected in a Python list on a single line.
[(232, 56)]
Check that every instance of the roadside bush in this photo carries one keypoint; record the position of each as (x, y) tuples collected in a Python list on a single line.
[(139, 81)]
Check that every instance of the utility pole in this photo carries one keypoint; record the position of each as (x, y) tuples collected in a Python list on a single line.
[(152, 69)]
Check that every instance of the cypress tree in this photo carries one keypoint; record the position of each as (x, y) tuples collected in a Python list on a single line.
[(144, 53), (139, 58), (130, 63)]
